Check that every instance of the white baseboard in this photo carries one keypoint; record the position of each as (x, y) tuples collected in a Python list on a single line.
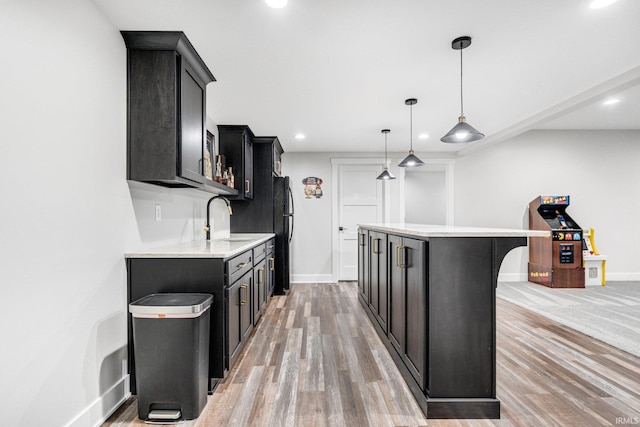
[(620, 277), (512, 277), (312, 278), (103, 407), (613, 277)]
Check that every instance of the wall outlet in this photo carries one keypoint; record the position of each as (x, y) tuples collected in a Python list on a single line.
[(158, 213)]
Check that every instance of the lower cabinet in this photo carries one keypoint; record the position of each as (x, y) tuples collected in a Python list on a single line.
[(239, 316), (363, 265), (240, 287), (271, 271), (259, 292), (378, 289), (405, 293)]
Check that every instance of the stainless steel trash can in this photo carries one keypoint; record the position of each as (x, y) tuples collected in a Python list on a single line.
[(171, 351)]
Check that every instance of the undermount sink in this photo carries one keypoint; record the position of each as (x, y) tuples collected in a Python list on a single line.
[(234, 239)]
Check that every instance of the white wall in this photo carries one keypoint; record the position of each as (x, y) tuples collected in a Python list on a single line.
[(598, 169), (427, 190), (68, 214)]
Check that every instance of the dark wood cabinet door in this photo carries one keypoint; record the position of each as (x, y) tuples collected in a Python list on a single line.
[(246, 325), (192, 126), (416, 302), (363, 265), (383, 287), (248, 166), (397, 317), (378, 298), (236, 144), (258, 292), (234, 298), (271, 275), (374, 244)]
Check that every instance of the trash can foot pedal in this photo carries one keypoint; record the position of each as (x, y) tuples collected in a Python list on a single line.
[(164, 416)]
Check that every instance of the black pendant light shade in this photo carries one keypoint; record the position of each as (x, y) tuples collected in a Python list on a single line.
[(385, 173), (411, 160), (462, 131)]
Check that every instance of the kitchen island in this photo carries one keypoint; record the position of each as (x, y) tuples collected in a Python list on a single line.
[(429, 291), (237, 271)]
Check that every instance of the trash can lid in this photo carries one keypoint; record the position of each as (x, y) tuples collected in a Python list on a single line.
[(192, 304)]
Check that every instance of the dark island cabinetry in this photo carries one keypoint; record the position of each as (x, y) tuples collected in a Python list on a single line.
[(378, 283), (166, 108), (407, 300), (438, 285)]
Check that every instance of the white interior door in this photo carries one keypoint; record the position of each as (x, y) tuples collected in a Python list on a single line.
[(359, 201)]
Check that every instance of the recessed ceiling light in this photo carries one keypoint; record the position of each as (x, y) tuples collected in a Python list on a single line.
[(276, 4), (611, 101), (599, 4), (423, 136), (299, 136)]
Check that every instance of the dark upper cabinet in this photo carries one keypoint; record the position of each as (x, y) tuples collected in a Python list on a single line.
[(166, 106), (236, 144), (277, 156)]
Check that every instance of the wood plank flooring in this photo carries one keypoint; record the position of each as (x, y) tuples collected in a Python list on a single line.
[(315, 360)]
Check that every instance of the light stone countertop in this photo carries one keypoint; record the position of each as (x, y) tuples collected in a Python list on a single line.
[(228, 247), (426, 230)]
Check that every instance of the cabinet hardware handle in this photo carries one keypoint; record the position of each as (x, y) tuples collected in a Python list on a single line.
[(270, 247), (272, 264), (363, 241), (243, 299), (247, 182), (241, 265), (375, 247), (260, 276), (399, 255)]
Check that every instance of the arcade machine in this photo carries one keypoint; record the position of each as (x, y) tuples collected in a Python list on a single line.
[(557, 261)]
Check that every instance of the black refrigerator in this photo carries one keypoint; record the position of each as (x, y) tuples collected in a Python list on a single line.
[(283, 227), (270, 210)]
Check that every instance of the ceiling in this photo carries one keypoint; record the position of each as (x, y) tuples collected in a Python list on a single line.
[(338, 71)]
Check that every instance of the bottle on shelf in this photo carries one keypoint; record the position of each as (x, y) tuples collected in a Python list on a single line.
[(230, 178)]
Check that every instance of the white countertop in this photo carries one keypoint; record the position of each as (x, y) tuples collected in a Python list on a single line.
[(219, 248), (426, 230)]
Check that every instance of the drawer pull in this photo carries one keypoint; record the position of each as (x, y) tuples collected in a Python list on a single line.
[(241, 265)]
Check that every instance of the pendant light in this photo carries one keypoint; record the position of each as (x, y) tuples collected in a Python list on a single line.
[(385, 173), (463, 131), (411, 160)]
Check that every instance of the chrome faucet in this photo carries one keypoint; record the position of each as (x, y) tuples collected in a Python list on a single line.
[(207, 227)]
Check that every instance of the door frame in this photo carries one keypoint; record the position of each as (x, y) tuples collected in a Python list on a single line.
[(335, 170)]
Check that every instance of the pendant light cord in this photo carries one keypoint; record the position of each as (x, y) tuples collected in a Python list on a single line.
[(385, 150), (411, 126), (461, 102)]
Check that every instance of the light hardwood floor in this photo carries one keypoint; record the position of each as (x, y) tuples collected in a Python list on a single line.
[(315, 360)]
